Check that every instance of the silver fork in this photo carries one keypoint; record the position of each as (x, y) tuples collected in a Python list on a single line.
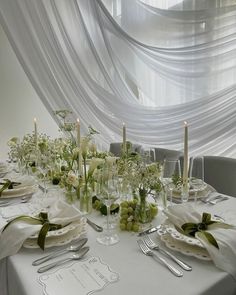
[(152, 245), (149, 252), (217, 200), (210, 198)]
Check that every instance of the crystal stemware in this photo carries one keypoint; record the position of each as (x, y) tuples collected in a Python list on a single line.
[(196, 180), (171, 171), (107, 192)]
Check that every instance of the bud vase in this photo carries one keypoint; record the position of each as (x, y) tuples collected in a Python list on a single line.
[(71, 194), (143, 209)]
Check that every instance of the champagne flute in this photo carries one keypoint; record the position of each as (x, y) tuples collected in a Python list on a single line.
[(197, 176), (171, 169)]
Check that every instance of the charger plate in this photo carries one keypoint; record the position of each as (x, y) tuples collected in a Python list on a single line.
[(203, 193)]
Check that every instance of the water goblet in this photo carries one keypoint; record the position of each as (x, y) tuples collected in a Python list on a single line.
[(107, 192), (171, 171), (196, 179)]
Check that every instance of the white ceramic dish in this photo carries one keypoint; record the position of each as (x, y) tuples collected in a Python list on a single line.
[(185, 248), (177, 235), (60, 240), (62, 231), (170, 228), (200, 194)]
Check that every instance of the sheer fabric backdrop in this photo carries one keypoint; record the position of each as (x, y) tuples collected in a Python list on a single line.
[(150, 66)]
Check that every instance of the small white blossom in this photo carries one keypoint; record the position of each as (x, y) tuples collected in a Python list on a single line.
[(72, 179)]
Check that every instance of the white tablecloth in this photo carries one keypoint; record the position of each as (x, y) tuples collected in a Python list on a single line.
[(138, 273)]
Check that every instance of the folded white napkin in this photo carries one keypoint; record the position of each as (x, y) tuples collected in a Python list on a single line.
[(13, 237), (224, 257)]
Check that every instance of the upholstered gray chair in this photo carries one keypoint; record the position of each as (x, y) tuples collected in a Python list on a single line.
[(116, 148), (162, 153), (220, 172)]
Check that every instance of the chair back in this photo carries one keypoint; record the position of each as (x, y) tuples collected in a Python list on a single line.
[(220, 172), (116, 148), (162, 153)]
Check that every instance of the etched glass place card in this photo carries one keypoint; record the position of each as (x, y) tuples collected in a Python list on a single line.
[(83, 277)]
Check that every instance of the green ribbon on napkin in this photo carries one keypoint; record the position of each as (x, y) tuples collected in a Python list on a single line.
[(41, 219), (8, 184), (190, 229)]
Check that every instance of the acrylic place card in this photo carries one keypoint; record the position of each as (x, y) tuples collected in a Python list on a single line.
[(84, 277)]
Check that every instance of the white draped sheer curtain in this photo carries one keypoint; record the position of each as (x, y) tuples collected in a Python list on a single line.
[(148, 66)]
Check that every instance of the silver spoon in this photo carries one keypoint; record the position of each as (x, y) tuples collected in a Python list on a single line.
[(75, 256), (71, 248)]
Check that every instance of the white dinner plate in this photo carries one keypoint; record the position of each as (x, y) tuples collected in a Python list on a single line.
[(64, 230), (200, 194), (177, 235), (60, 239), (185, 248)]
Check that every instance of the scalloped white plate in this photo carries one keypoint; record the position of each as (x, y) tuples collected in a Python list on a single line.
[(176, 235), (62, 231), (201, 193), (185, 248), (60, 240)]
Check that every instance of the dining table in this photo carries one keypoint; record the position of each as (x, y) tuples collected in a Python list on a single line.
[(130, 271)]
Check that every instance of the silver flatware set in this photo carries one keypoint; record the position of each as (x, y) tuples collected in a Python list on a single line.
[(78, 250), (148, 246)]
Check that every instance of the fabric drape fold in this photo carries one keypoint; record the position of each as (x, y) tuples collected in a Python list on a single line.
[(149, 67)]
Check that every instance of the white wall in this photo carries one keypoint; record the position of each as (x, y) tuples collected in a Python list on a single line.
[(19, 103)]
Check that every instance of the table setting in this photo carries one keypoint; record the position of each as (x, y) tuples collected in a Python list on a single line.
[(79, 220)]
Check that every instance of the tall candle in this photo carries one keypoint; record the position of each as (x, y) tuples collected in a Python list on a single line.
[(79, 146), (35, 133), (78, 132), (185, 168), (124, 138)]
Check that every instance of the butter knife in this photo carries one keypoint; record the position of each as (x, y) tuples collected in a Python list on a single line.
[(149, 230), (94, 225)]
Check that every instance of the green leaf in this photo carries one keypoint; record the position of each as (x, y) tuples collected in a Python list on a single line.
[(210, 239), (206, 217), (92, 131)]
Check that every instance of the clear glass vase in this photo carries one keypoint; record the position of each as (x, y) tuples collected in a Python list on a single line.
[(71, 195), (143, 212), (86, 194)]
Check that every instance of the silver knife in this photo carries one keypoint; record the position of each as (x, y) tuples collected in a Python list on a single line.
[(149, 230)]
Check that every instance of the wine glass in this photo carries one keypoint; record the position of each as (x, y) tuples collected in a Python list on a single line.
[(152, 155), (171, 175), (43, 170), (148, 156), (196, 180), (107, 192)]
